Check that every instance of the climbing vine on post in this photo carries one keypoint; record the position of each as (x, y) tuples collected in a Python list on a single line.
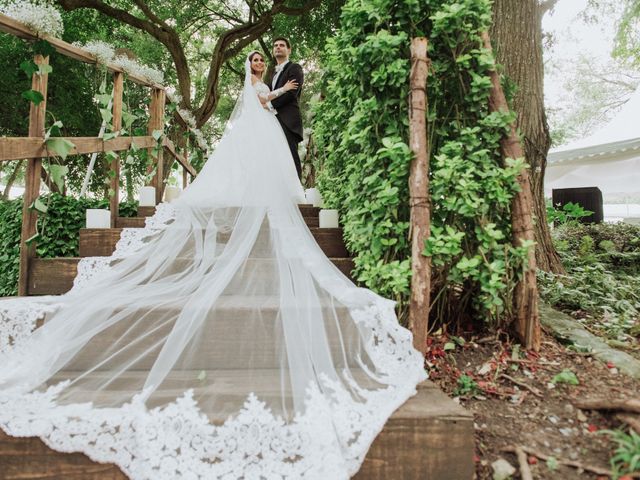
[(362, 135)]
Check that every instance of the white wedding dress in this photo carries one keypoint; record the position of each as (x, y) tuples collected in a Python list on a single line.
[(218, 342)]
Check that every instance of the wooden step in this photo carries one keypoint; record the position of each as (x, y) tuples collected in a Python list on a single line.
[(430, 437), (54, 276), (100, 242), (144, 325), (306, 209), (139, 222)]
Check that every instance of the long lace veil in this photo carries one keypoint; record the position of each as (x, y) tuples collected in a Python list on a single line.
[(219, 341)]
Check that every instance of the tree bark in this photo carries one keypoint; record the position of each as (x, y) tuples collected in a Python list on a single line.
[(516, 35), (527, 320), (228, 45), (419, 195), (11, 179)]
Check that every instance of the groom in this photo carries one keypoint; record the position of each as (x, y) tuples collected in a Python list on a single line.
[(287, 104)]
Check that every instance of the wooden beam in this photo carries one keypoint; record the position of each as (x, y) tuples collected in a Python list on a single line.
[(17, 148), (181, 159), (13, 27), (419, 203), (37, 114), (156, 122), (527, 321), (114, 200)]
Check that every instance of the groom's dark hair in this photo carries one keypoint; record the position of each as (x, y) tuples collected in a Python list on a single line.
[(284, 39)]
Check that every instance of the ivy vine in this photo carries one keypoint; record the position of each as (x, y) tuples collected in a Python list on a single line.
[(361, 128)]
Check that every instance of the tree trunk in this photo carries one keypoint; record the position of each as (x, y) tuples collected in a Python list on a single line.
[(11, 179), (527, 321), (516, 35)]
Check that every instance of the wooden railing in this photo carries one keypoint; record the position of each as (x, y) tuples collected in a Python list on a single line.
[(33, 147)]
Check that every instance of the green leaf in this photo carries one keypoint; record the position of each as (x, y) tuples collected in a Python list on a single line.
[(38, 205), (44, 69), (58, 173), (449, 346), (128, 119), (110, 135), (33, 96), (103, 98), (44, 48), (29, 68), (106, 115), (566, 376), (552, 463), (60, 146), (157, 134)]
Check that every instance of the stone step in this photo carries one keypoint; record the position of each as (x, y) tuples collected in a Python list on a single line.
[(143, 326), (100, 242), (54, 276), (429, 437)]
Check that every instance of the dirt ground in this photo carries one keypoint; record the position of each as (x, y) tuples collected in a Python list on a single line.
[(537, 414)]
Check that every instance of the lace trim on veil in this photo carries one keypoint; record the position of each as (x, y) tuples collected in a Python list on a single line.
[(178, 440)]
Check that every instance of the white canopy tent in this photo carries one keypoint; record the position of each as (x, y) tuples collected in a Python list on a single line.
[(609, 159)]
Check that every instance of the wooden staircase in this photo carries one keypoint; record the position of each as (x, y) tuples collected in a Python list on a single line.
[(429, 437)]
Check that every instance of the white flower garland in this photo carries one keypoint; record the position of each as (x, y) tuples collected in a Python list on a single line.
[(101, 50), (105, 54), (40, 16)]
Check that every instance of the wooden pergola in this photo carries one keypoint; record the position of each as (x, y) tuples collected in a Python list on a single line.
[(33, 147)]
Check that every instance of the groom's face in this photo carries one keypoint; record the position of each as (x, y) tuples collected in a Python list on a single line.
[(280, 49)]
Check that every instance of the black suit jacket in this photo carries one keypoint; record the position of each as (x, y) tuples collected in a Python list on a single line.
[(287, 104)]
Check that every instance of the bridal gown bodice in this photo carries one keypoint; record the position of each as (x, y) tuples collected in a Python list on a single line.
[(261, 88), (217, 342)]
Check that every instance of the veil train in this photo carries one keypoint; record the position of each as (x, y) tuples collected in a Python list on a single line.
[(217, 342)]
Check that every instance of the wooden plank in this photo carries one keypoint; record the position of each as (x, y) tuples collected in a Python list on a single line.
[(96, 242), (20, 30), (429, 437), (37, 114), (130, 222), (18, 148), (114, 199), (156, 122), (181, 160), (52, 276), (307, 210)]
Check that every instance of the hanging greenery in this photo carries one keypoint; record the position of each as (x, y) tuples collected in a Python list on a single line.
[(361, 128)]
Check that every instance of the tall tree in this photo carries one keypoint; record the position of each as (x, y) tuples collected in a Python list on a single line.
[(517, 37), (233, 25)]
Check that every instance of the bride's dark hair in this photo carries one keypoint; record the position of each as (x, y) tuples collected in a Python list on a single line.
[(253, 54)]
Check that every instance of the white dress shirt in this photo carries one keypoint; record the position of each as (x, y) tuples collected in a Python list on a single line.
[(279, 69)]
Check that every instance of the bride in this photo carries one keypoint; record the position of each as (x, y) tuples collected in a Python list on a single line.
[(218, 342)]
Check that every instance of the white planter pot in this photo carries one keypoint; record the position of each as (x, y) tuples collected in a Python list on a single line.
[(98, 218), (329, 219), (147, 197)]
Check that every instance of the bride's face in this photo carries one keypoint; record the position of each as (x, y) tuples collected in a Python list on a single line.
[(257, 64)]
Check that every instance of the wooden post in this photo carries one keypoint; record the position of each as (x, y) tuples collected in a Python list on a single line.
[(156, 122), (185, 153), (37, 115), (526, 291), (419, 195), (114, 201)]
